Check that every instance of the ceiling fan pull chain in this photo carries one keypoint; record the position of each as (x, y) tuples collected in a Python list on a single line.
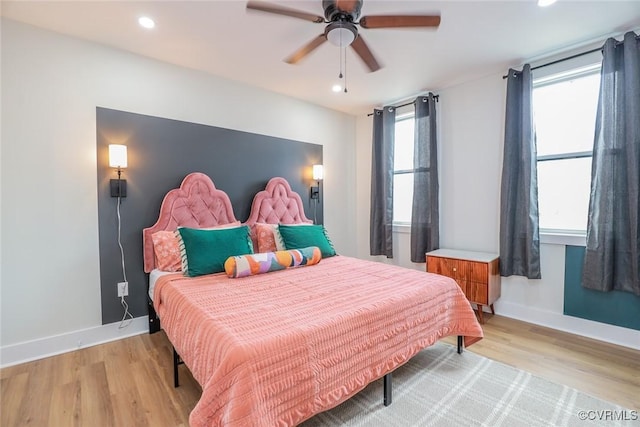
[(345, 69), (340, 53)]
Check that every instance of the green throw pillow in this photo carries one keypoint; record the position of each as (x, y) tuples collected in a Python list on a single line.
[(303, 236), (205, 251)]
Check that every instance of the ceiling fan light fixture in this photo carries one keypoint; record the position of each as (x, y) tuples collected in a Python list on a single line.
[(341, 34), (146, 22)]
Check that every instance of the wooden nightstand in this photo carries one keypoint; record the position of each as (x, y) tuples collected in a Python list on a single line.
[(477, 274)]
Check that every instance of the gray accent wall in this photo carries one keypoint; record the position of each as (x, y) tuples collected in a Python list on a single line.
[(161, 152)]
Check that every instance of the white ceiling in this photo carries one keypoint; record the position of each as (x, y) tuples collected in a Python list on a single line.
[(475, 38)]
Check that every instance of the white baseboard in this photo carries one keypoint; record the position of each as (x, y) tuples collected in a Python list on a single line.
[(600, 331), (50, 346)]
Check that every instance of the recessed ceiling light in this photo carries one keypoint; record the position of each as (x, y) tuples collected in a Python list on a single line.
[(544, 3), (146, 22), (336, 88)]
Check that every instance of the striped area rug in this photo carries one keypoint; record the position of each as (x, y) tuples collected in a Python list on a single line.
[(438, 387)]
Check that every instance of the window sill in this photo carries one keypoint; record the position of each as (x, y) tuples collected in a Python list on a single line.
[(547, 237), (402, 227), (559, 237)]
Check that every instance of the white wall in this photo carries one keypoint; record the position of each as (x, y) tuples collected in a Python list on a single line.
[(51, 85), (471, 134)]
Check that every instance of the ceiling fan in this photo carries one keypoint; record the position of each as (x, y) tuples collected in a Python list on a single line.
[(343, 18)]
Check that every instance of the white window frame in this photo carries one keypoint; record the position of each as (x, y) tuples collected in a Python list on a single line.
[(402, 226), (563, 236)]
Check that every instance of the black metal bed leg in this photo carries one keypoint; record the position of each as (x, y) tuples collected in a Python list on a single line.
[(386, 381), (154, 321), (460, 344), (176, 362)]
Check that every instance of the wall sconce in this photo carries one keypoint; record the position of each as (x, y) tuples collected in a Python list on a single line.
[(118, 159), (318, 175)]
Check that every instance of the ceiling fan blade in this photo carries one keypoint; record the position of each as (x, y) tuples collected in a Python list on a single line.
[(346, 5), (399, 21), (279, 10), (306, 49), (365, 54)]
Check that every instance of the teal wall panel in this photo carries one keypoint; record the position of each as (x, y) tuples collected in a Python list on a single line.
[(615, 308)]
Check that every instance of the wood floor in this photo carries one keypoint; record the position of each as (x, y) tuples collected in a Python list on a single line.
[(129, 382)]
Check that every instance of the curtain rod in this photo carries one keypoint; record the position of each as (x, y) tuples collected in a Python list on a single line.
[(436, 97), (577, 55)]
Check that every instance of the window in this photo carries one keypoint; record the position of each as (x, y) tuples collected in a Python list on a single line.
[(564, 108), (403, 168)]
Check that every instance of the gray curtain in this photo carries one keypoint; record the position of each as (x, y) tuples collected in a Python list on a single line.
[(381, 226), (519, 234), (612, 259), (425, 224)]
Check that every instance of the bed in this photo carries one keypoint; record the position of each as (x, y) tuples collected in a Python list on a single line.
[(278, 348)]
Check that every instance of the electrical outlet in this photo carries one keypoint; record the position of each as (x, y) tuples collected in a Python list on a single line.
[(123, 289)]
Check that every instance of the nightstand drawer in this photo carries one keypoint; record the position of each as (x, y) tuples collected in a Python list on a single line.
[(447, 267), (458, 269), (474, 291), (477, 292)]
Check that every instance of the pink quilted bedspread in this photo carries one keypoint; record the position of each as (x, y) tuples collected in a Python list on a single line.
[(277, 348)]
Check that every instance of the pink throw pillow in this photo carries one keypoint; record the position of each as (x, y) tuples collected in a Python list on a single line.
[(268, 238), (165, 247)]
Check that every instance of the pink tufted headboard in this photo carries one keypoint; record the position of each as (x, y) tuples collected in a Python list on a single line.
[(197, 203), (277, 203)]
